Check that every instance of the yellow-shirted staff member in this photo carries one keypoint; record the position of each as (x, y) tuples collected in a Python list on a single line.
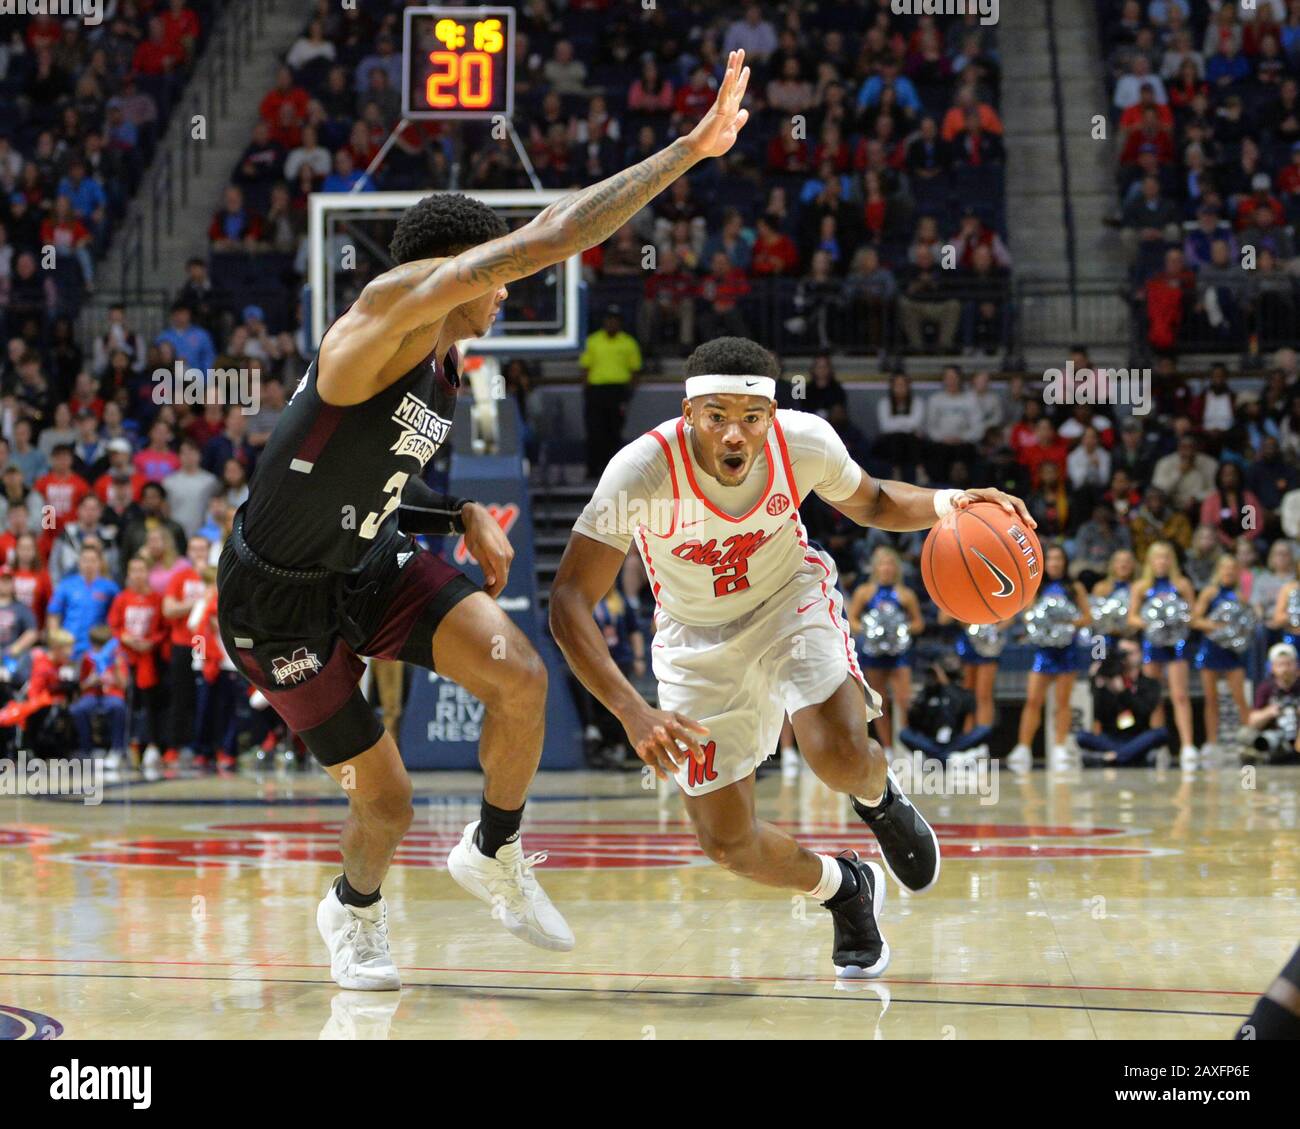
[(611, 358)]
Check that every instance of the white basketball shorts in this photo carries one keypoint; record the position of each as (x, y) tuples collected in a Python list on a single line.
[(740, 679)]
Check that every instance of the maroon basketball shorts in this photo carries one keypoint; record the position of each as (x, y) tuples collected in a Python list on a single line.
[(299, 636)]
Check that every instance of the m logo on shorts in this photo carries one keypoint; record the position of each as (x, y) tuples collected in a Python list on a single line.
[(296, 667), (698, 773), (778, 504)]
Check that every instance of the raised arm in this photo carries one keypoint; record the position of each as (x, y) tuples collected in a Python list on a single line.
[(422, 292)]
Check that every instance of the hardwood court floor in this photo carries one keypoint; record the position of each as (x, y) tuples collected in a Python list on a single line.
[(1097, 905)]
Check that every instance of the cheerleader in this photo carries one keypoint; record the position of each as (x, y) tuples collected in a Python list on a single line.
[(1213, 660), (978, 673), (1286, 613), (1118, 581), (1054, 667), (893, 670), (1161, 576)]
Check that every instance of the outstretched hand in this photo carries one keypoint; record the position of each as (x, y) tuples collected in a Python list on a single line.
[(718, 129)]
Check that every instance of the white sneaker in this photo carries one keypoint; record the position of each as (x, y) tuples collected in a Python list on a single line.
[(1060, 757), (1020, 759), (1189, 756), (114, 760), (789, 763), (358, 943), (507, 884), (152, 757)]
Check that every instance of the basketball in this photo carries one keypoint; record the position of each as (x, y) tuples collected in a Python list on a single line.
[(982, 564)]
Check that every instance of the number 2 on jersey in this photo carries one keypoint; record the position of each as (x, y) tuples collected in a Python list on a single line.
[(393, 487), (731, 578)]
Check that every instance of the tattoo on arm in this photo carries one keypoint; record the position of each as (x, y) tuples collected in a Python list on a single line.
[(592, 215), (580, 220), (502, 260)]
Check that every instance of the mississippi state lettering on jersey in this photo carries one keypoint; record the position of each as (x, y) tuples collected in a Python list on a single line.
[(326, 489), (714, 553)]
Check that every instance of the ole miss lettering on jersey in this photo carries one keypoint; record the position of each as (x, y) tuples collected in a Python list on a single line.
[(716, 567), (729, 562)]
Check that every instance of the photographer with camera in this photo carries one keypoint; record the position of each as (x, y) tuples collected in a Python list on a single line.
[(1272, 730), (1127, 711), (939, 713)]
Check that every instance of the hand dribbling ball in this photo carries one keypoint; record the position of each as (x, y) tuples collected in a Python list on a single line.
[(982, 564)]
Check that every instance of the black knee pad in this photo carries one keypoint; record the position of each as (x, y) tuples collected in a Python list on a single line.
[(349, 732)]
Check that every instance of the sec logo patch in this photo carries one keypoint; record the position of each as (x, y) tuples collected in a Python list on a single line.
[(777, 504)]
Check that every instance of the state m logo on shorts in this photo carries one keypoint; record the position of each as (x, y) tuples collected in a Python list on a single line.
[(698, 773), (296, 667)]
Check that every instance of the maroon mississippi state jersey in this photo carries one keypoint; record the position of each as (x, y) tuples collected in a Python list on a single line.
[(326, 489)]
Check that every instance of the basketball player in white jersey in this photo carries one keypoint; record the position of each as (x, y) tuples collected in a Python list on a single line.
[(749, 626)]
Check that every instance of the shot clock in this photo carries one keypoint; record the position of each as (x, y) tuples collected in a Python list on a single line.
[(458, 62)]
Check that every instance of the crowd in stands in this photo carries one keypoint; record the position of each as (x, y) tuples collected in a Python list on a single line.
[(85, 105), (875, 143), (113, 508), (1206, 104)]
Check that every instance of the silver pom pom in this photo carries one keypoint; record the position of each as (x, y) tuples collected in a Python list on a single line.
[(1237, 626), (1166, 619), (1293, 608), (986, 639), (1050, 622), (1109, 613), (885, 631)]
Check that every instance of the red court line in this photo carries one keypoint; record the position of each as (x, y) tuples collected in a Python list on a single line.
[(640, 975)]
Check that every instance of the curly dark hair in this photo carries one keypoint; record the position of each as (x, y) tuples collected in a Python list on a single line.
[(732, 356), (445, 223)]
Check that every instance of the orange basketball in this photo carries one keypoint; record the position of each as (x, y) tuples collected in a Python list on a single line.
[(982, 564)]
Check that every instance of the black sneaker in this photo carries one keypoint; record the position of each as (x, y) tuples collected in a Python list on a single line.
[(908, 846), (860, 951)]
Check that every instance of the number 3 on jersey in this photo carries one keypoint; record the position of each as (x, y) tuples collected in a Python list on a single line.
[(393, 488)]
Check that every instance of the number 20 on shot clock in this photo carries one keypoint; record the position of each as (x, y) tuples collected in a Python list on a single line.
[(458, 62)]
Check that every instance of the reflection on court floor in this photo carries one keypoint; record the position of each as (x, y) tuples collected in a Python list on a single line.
[(1148, 904)]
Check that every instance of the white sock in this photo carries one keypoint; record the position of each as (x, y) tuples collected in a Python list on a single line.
[(1021, 751), (871, 803), (832, 878), (1060, 751), (789, 751)]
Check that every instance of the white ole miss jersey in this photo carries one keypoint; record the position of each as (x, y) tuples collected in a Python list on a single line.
[(713, 553)]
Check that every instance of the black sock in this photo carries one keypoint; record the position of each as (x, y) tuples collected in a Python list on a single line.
[(848, 887), (867, 812), (349, 897), (496, 828)]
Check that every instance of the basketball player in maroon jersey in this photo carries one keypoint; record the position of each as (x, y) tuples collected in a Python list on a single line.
[(322, 568)]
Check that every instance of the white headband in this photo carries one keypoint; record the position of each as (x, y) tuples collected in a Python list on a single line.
[(730, 386)]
